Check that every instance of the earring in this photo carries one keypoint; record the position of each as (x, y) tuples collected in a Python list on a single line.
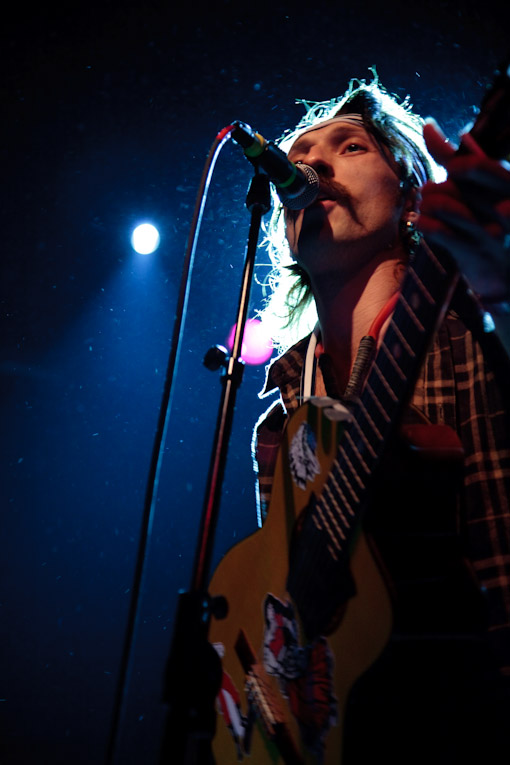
[(407, 227), (409, 234)]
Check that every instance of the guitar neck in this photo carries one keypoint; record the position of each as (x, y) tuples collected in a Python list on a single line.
[(423, 301), (333, 519), (430, 281)]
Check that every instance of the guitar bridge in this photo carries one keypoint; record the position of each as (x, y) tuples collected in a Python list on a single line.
[(261, 696), (264, 701)]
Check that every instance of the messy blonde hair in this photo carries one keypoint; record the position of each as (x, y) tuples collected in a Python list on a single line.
[(289, 310)]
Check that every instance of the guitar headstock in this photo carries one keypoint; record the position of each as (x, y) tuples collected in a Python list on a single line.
[(491, 129)]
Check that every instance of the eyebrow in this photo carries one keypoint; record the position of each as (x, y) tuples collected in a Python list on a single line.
[(342, 128)]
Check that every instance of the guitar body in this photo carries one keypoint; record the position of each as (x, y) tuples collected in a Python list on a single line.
[(298, 687)]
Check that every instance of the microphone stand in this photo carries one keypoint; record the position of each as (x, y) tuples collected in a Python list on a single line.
[(193, 673)]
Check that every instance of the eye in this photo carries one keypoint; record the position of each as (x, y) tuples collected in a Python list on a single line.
[(352, 147)]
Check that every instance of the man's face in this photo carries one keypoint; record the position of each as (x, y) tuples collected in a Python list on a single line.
[(359, 206)]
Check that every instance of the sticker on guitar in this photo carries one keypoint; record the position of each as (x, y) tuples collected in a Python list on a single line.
[(229, 705), (305, 673), (305, 678), (303, 462)]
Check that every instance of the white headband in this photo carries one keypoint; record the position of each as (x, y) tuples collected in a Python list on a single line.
[(353, 119), (418, 168)]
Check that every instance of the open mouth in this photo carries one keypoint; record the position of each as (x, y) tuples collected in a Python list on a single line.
[(332, 192), (325, 200), (329, 197)]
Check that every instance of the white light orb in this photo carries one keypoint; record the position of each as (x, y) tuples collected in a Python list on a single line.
[(145, 238)]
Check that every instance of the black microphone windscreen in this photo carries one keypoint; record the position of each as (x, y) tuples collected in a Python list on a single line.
[(307, 196)]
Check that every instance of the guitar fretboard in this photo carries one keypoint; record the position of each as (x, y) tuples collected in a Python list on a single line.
[(420, 308), (336, 514)]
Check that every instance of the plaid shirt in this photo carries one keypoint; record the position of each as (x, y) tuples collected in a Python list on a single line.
[(462, 384)]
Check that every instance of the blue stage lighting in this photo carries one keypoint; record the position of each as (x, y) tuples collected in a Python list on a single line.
[(145, 238)]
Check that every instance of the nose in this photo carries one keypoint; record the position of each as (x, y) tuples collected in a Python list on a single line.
[(319, 158)]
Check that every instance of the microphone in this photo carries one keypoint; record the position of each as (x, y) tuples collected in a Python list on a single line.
[(296, 185)]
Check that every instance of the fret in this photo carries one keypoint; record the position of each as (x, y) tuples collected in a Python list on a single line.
[(411, 313), (316, 522), (393, 361), (431, 258), (348, 437), (327, 527), (376, 401), (387, 386), (345, 503), (343, 475), (364, 418), (366, 434), (419, 283), (338, 508), (322, 506), (399, 345), (364, 438), (348, 460), (402, 339)]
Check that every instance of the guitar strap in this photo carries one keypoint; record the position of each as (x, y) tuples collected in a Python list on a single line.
[(309, 371), (364, 357)]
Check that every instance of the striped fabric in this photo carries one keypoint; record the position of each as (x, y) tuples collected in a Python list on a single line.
[(464, 383)]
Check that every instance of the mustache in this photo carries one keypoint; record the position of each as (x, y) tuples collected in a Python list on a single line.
[(330, 189)]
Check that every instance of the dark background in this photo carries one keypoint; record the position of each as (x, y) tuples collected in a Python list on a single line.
[(109, 111)]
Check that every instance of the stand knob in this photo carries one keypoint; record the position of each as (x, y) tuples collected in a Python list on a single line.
[(215, 358)]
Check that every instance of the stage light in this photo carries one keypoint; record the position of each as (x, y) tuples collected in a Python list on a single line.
[(145, 238), (257, 344), (488, 323)]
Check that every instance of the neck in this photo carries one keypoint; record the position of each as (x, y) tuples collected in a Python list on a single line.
[(346, 310)]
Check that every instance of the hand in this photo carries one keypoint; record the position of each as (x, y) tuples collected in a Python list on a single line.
[(469, 214)]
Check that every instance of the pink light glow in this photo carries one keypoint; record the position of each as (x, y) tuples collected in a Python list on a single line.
[(257, 344)]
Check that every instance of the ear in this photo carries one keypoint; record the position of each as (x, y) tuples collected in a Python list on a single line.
[(412, 204), (411, 216)]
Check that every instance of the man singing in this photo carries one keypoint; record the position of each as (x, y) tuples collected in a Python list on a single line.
[(439, 692)]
